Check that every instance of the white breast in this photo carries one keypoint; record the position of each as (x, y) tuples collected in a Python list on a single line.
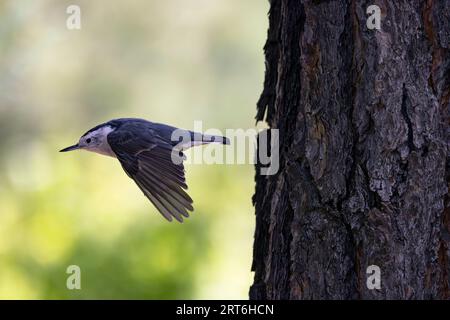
[(104, 149)]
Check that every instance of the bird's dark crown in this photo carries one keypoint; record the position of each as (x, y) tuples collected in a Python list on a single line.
[(115, 124), (95, 128)]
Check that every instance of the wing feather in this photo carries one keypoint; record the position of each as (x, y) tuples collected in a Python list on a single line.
[(150, 165), (166, 214), (172, 189), (163, 170), (170, 195)]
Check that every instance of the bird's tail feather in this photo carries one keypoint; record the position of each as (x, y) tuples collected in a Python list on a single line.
[(219, 139), (199, 139)]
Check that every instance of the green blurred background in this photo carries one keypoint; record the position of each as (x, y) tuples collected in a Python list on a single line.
[(172, 61)]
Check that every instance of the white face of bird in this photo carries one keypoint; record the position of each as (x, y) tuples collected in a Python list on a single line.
[(95, 141)]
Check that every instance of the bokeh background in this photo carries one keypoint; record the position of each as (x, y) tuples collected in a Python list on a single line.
[(172, 61)]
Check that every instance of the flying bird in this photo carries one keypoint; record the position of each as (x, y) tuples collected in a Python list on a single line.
[(152, 155)]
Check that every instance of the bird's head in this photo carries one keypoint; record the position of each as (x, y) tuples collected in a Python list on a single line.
[(93, 140)]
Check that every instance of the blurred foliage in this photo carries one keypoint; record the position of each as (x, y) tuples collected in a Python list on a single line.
[(172, 61)]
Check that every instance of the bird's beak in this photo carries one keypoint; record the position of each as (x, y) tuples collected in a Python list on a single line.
[(71, 148)]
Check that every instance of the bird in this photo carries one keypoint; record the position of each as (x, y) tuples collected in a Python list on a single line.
[(152, 155)]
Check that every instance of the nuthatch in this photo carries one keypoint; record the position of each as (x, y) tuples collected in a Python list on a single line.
[(152, 155)]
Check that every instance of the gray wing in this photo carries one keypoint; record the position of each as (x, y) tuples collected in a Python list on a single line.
[(149, 163)]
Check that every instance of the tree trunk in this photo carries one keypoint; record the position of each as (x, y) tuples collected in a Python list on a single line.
[(364, 164)]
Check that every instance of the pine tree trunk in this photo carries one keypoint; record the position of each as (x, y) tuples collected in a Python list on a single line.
[(364, 162)]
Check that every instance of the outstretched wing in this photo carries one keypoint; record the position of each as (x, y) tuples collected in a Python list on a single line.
[(149, 163)]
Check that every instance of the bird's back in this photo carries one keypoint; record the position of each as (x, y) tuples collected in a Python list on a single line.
[(167, 133)]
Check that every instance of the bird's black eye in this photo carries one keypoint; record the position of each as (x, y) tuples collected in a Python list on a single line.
[(88, 140)]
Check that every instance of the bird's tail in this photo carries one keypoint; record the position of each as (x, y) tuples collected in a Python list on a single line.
[(205, 138), (219, 139)]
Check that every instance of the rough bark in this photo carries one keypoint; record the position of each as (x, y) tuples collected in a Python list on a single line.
[(364, 162)]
